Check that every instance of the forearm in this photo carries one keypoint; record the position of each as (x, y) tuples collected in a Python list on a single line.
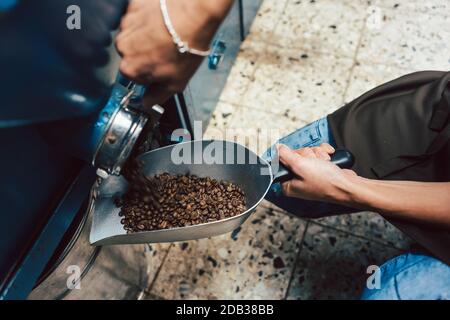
[(421, 201), (316, 178), (204, 18), (145, 42), (217, 9)]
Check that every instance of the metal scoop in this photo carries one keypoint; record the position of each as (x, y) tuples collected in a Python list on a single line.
[(222, 160)]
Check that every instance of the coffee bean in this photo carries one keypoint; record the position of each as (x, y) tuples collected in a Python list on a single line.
[(167, 201)]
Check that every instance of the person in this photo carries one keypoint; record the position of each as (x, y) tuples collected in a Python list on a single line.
[(321, 189), (149, 55), (401, 171), (399, 133)]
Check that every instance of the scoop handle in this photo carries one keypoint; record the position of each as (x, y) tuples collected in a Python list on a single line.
[(343, 158)]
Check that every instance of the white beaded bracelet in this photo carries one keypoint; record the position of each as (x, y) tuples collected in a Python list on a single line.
[(182, 46)]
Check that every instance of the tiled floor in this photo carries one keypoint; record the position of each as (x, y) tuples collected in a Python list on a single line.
[(302, 60)]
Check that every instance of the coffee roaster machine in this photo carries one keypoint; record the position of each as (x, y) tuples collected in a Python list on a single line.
[(61, 132)]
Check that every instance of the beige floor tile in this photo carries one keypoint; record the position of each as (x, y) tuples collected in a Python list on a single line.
[(406, 39), (220, 121), (364, 224), (222, 115), (333, 264), (327, 26), (366, 76), (241, 74), (258, 129), (155, 254), (439, 7), (293, 82), (267, 18), (254, 262), (371, 226)]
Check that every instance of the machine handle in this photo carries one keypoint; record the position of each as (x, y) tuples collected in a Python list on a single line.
[(343, 158)]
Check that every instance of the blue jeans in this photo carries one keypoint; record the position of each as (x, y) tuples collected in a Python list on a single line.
[(312, 134), (409, 276), (412, 277)]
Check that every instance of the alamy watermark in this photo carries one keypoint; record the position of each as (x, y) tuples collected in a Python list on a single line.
[(74, 278), (73, 21), (374, 280), (229, 146)]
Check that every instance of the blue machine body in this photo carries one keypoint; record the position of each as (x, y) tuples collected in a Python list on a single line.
[(54, 109)]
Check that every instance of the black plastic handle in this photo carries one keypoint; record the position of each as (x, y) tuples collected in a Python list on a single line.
[(341, 157)]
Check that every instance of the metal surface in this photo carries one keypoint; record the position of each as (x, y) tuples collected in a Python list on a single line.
[(98, 267), (113, 272), (118, 141), (234, 163), (38, 256), (150, 136)]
